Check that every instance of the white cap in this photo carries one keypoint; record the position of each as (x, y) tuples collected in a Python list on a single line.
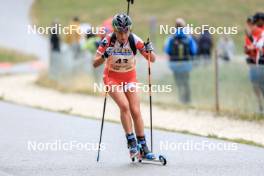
[(180, 22)]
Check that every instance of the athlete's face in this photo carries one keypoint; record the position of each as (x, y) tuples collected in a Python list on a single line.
[(122, 37)]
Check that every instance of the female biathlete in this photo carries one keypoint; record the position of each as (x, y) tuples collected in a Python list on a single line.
[(118, 49)]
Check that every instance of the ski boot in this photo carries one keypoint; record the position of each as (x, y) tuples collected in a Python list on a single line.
[(132, 146)]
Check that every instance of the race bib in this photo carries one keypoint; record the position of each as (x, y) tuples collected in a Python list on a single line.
[(122, 60)]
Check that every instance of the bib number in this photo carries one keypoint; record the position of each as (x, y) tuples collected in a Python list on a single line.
[(120, 61)]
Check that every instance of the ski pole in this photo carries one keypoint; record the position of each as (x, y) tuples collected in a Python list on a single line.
[(102, 126), (128, 5), (150, 98), (102, 122)]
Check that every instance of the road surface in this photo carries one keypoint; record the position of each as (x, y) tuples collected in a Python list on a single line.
[(21, 126)]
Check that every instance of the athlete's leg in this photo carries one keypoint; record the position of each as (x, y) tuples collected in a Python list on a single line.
[(123, 104), (134, 105), (120, 98)]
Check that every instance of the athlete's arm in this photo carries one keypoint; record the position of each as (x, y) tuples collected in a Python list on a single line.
[(99, 57), (98, 60), (146, 55), (141, 47)]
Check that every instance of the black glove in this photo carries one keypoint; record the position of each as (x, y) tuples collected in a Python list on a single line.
[(148, 47), (108, 52)]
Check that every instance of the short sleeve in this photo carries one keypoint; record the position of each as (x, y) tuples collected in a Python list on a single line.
[(139, 42)]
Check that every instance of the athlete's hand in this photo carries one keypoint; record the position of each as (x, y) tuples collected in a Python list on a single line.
[(148, 46), (108, 52), (103, 42)]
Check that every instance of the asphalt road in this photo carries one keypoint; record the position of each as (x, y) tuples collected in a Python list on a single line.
[(21, 126)]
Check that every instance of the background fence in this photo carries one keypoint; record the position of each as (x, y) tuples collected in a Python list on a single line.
[(236, 95)]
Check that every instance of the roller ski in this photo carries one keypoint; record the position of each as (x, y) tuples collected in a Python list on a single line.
[(141, 153), (152, 158), (146, 156)]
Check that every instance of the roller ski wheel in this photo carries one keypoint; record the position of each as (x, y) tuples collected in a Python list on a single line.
[(154, 159), (151, 158), (163, 160), (133, 156)]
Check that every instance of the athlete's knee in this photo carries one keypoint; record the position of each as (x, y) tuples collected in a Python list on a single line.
[(136, 113), (124, 107)]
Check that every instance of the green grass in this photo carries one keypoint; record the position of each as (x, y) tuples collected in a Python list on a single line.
[(237, 100), (237, 140), (79, 84), (236, 96), (212, 12), (12, 56)]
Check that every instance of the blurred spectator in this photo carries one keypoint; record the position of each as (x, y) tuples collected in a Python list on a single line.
[(90, 45), (74, 36), (55, 48), (253, 49), (225, 48), (259, 20), (85, 28), (205, 45), (54, 37), (180, 49), (107, 24)]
